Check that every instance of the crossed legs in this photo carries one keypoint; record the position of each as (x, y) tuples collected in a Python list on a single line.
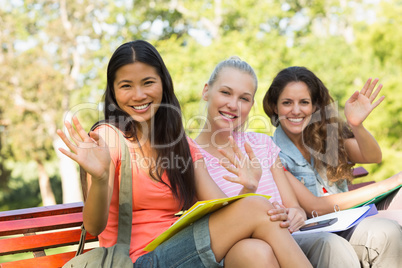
[(245, 223)]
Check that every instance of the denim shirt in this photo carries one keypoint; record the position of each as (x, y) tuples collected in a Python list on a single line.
[(295, 163)]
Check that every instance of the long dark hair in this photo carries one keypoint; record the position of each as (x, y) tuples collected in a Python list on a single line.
[(167, 131), (316, 135)]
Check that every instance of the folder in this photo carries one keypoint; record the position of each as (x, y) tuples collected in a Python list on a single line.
[(379, 197), (345, 219), (196, 212)]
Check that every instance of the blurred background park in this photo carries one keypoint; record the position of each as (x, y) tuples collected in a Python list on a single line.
[(53, 58)]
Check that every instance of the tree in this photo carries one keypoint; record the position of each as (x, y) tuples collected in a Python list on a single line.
[(56, 31), (54, 55)]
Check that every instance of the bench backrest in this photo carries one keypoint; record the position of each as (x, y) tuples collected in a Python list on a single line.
[(36, 229)]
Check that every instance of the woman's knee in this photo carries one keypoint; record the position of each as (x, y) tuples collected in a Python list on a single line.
[(323, 250), (379, 232), (385, 228), (253, 252), (332, 245), (254, 204), (378, 240)]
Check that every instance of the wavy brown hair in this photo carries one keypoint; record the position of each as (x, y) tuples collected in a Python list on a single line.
[(324, 137)]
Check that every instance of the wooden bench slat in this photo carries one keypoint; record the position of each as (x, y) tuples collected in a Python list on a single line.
[(53, 220), (359, 185), (359, 172), (42, 241), (41, 211), (40, 224), (51, 261)]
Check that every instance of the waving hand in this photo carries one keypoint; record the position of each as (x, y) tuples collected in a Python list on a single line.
[(360, 104), (89, 151), (246, 168)]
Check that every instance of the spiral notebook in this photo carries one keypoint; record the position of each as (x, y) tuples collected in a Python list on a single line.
[(345, 219)]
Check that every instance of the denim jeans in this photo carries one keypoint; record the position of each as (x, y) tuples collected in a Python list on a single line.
[(191, 247)]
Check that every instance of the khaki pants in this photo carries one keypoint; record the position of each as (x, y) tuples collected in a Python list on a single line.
[(377, 242), (327, 250)]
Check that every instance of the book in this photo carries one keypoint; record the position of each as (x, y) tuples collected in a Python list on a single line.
[(196, 212), (379, 197), (345, 219)]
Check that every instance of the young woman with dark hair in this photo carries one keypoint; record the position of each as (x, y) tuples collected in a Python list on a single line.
[(140, 102)]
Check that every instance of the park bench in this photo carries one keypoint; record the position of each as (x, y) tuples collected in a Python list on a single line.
[(37, 229)]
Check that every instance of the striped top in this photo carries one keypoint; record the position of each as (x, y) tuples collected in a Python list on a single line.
[(265, 150)]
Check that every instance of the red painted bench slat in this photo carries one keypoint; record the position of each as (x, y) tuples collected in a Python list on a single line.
[(25, 213), (42, 241), (19, 233), (40, 224), (51, 261)]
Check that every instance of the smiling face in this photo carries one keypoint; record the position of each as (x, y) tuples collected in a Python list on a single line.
[(230, 99), (138, 89), (294, 109)]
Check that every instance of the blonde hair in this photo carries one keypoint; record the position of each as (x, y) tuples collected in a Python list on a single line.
[(236, 63)]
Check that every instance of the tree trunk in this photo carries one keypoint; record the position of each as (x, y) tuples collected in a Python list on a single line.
[(44, 186), (70, 183)]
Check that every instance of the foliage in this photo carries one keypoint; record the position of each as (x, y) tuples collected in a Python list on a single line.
[(54, 55), (23, 190)]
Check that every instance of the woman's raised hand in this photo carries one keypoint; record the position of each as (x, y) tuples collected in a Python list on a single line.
[(360, 104), (246, 168), (89, 151)]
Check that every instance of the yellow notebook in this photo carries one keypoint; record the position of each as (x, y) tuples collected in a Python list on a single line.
[(197, 211)]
